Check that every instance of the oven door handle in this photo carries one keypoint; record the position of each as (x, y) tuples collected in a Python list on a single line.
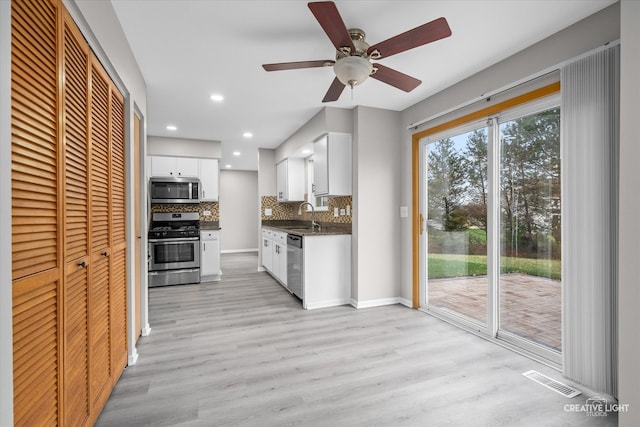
[(169, 241)]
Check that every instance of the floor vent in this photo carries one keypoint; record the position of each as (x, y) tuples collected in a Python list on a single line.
[(552, 384)]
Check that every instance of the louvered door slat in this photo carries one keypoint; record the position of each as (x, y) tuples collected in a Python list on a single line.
[(35, 338), (76, 296), (34, 136), (75, 92), (119, 309), (99, 161), (100, 363), (118, 183)]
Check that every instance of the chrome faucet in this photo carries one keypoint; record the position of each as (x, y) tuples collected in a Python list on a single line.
[(314, 224)]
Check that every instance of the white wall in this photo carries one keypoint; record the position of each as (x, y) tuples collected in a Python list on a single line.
[(377, 172), (6, 320), (629, 240), (239, 215), (182, 147)]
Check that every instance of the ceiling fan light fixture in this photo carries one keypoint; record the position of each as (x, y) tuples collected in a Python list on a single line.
[(352, 70)]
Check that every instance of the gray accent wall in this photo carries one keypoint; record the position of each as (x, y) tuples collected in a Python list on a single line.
[(377, 172), (238, 214)]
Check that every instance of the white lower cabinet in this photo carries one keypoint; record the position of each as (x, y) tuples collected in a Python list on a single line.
[(280, 256), (326, 277), (267, 252), (210, 255), (327, 271), (274, 254)]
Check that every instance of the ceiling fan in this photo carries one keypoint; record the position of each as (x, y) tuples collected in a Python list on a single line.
[(353, 63)]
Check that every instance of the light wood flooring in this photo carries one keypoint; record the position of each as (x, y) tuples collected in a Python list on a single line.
[(242, 352)]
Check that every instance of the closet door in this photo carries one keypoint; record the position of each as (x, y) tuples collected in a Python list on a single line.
[(36, 242), (118, 236), (100, 239), (76, 230)]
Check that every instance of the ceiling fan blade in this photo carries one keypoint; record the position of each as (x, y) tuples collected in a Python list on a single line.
[(426, 33), (297, 65), (334, 92), (331, 22), (395, 78)]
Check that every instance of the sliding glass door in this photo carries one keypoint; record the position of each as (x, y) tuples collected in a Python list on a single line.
[(456, 224), (490, 207), (530, 238)]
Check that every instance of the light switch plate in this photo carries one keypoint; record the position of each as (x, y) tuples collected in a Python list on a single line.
[(268, 212), (206, 213), (335, 212), (348, 210), (404, 211), (343, 212)]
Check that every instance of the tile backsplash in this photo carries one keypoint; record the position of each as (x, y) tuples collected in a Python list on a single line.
[(289, 210), (213, 207)]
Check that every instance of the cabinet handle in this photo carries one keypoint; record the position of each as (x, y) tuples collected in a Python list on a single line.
[(313, 188), (204, 247), (82, 264)]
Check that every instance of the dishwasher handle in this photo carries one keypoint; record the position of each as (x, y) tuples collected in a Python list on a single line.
[(294, 240)]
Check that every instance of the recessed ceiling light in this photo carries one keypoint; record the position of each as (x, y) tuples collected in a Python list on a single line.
[(247, 135), (172, 127), (227, 166), (306, 151), (236, 153), (217, 97)]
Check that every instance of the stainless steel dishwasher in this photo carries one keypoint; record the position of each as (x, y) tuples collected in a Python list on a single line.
[(295, 265)]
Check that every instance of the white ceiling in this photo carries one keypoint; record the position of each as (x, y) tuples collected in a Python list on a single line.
[(188, 50)]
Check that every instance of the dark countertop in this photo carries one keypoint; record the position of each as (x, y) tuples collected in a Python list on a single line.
[(210, 225), (303, 228)]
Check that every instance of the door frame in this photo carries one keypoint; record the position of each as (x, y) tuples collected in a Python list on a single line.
[(419, 287)]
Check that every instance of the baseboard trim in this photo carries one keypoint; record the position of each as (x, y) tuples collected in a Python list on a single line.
[(325, 304), (133, 357), (406, 302), (379, 302), (238, 251), (261, 268), (146, 331)]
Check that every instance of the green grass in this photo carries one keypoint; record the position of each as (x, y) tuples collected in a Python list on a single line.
[(448, 265)]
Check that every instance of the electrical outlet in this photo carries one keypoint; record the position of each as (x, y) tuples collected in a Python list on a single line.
[(348, 210), (335, 212), (268, 212), (343, 212), (206, 213)]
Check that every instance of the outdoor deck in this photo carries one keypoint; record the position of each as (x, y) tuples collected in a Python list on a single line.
[(529, 305)]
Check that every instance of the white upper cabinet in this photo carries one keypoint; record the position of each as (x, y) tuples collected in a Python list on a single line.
[(290, 180), (332, 165), (174, 166), (209, 180)]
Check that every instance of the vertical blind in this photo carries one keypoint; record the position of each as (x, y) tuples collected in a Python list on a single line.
[(590, 143)]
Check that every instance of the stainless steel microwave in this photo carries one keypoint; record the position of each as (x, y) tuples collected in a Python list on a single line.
[(174, 190)]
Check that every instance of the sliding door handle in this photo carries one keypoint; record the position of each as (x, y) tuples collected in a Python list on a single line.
[(421, 224)]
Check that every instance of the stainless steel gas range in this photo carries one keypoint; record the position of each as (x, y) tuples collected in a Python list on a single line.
[(174, 248)]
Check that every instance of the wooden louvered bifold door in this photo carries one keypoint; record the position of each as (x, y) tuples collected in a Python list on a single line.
[(100, 317), (36, 244), (118, 235), (68, 221), (76, 213)]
